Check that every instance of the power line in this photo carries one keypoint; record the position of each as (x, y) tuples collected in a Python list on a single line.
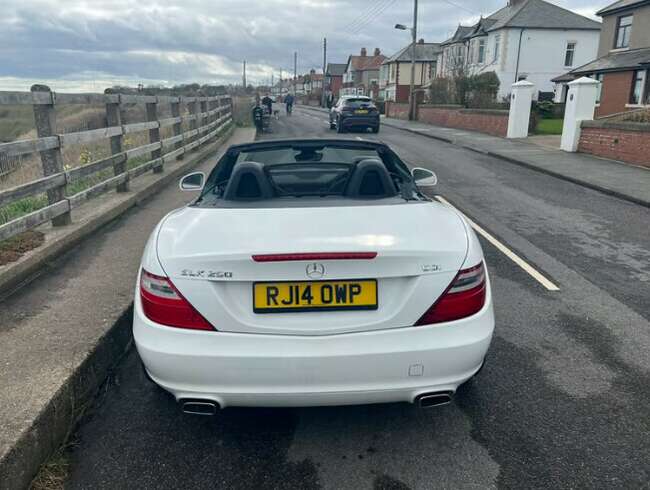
[(360, 19), (373, 16), (457, 5)]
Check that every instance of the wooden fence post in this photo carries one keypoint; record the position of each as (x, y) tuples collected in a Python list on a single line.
[(154, 133), (52, 161), (204, 109), (177, 127), (192, 107), (114, 118)]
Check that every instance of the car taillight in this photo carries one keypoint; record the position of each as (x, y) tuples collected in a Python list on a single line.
[(162, 303), (464, 297)]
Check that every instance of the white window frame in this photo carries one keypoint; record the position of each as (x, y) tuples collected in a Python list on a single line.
[(573, 53), (480, 56), (497, 46)]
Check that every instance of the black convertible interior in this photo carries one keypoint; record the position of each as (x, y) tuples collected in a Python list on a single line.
[(283, 171)]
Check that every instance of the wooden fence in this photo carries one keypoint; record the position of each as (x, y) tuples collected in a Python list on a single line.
[(207, 117)]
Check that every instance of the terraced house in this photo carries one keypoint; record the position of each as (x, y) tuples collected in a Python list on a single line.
[(623, 61), (530, 40), (361, 75), (395, 73)]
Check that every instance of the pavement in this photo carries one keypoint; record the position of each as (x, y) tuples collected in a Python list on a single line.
[(61, 332), (562, 402), (619, 179)]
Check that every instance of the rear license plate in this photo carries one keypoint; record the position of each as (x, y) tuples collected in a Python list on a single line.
[(286, 297), (361, 111)]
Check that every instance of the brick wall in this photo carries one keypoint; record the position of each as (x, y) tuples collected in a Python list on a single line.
[(494, 122), (397, 110), (624, 141), (615, 93)]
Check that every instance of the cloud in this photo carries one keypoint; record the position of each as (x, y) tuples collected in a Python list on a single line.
[(176, 41)]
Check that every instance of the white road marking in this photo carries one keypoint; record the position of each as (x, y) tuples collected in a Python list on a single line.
[(530, 270)]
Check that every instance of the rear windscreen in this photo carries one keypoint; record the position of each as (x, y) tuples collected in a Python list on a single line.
[(327, 154), (358, 103), (309, 179)]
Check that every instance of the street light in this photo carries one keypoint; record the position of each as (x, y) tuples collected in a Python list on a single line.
[(413, 30)]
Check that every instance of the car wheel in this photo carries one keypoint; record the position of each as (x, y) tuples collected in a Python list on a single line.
[(375, 129), (339, 127)]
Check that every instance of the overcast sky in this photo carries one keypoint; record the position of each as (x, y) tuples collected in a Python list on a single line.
[(76, 45)]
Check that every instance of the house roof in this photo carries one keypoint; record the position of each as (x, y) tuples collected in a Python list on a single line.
[(423, 52), (336, 69), (459, 35), (541, 15), (621, 5), (362, 63), (617, 61)]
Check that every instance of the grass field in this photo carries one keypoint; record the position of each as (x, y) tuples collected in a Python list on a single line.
[(549, 126)]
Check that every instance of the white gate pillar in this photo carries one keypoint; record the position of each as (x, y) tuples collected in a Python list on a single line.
[(580, 106), (521, 99)]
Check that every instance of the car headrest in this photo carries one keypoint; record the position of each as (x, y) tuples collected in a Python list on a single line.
[(371, 180), (248, 181)]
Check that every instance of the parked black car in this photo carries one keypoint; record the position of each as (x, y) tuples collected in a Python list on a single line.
[(354, 111)]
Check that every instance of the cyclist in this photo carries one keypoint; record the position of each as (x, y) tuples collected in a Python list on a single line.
[(288, 100)]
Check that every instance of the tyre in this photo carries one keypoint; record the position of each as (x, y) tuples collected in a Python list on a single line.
[(375, 129), (339, 127)]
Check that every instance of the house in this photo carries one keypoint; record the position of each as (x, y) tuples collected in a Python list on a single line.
[(313, 83), (299, 85), (334, 78), (395, 72), (532, 40), (361, 75), (623, 62)]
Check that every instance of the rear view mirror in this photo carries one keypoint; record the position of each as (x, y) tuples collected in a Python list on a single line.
[(424, 177), (192, 182)]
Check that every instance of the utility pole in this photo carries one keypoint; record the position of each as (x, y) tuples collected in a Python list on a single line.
[(295, 71), (322, 90), (414, 32), (244, 76)]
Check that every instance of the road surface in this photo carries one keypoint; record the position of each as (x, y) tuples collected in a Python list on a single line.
[(562, 402)]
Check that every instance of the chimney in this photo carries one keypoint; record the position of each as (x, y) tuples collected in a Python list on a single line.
[(377, 52), (364, 52), (312, 71), (421, 41)]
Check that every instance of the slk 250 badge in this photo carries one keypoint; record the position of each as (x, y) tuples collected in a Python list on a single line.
[(206, 274)]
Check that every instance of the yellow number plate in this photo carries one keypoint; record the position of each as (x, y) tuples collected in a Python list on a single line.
[(284, 297), (361, 111)]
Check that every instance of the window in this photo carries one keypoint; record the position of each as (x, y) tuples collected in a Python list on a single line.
[(600, 77), (522, 77), (623, 30), (481, 51), (637, 87), (568, 55), (647, 88), (497, 46)]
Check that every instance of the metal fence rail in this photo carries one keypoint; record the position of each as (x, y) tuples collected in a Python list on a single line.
[(207, 117)]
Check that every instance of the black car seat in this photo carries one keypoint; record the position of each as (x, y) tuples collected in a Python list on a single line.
[(370, 180), (248, 182)]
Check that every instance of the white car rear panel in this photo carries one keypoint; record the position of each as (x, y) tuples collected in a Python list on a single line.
[(420, 248), (242, 369)]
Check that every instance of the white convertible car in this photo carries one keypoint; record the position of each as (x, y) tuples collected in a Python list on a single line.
[(312, 272)]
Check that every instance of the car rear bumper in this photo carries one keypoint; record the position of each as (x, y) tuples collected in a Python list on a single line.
[(236, 369), (360, 121)]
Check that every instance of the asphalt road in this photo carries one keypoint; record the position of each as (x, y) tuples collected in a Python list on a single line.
[(562, 402)]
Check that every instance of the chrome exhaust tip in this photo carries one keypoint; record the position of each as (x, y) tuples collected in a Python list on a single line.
[(427, 400), (199, 407)]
